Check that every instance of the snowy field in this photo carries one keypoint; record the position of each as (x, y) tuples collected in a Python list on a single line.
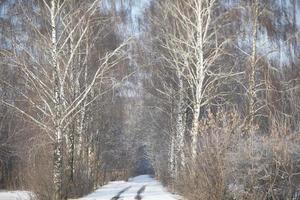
[(16, 195), (140, 188)]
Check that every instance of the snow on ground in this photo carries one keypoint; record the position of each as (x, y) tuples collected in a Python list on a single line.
[(149, 189), (15, 195), (107, 191), (153, 190)]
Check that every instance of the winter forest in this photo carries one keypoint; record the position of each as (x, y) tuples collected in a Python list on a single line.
[(201, 95)]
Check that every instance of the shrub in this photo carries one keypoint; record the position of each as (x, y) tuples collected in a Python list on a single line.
[(230, 165)]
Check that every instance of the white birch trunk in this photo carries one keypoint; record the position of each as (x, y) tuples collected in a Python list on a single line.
[(172, 165), (58, 164), (177, 156), (81, 120), (180, 126), (194, 131), (199, 77), (58, 154), (83, 109), (72, 131)]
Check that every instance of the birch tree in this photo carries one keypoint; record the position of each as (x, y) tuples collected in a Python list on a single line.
[(191, 48), (170, 75), (48, 74)]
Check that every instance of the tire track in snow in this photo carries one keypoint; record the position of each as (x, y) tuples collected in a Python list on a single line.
[(120, 193), (142, 187), (139, 192)]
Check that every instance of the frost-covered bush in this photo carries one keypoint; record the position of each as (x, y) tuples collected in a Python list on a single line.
[(266, 166), (234, 165)]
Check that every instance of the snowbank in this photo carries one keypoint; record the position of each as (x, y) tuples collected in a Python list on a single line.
[(14, 195)]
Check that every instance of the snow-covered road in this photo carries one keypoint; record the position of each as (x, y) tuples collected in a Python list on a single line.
[(139, 188)]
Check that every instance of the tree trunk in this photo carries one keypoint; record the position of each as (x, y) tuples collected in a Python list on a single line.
[(180, 126), (58, 143), (201, 29), (172, 162), (58, 164), (252, 78), (70, 142), (194, 131), (71, 156)]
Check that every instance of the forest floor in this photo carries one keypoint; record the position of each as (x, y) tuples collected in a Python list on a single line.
[(138, 188)]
